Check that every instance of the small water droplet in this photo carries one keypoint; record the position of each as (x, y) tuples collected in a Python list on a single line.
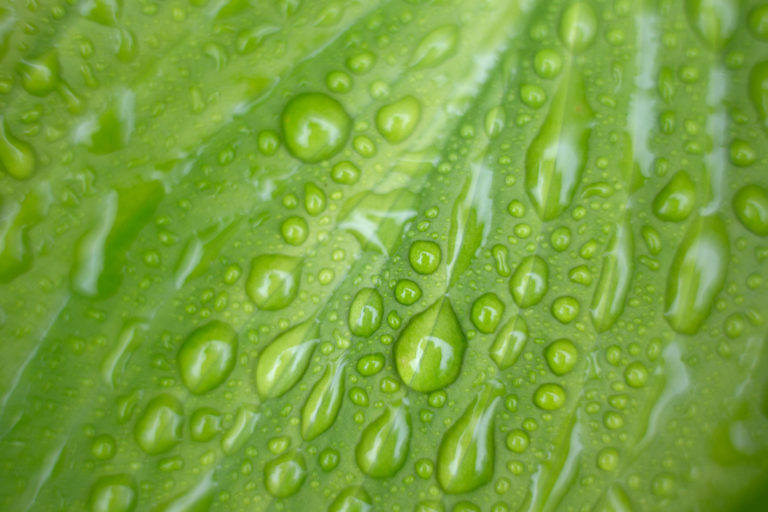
[(435, 47), (509, 343), (487, 311), (549, 397), (561, 356), (578, 26), (424, 256), (352, 499), (16, 156)]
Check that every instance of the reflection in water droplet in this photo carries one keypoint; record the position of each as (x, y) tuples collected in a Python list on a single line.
[(113, 493), (207, 356), (274, 281), (323, 403), (283, 362), (397, 121), (158, 430), (384, 444), (530, 281), (285, 475), (315, 127), (509, 343), (435, 47)]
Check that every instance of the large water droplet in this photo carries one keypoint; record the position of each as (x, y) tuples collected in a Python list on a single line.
[(384, 444), (713, 20), (207, 356), (751, 207), (430, 349), (509, 343), (549, 397), (285, 475), (558, 153), (159, 428), (578, 26), (466, 455), (113, 493), (697, 274), (366, 312), (424, 256), (675, 202), (315, 127), (241, 430), (283, 362), (530, 281), (435, 47), (323, 403), (352, 499), (397, 121), (274, 280), (615, 276), (16, 156)]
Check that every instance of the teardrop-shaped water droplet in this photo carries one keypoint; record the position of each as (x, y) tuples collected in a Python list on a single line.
[(435, 47), (274, 281), (430, 349), (366, 312), (114, 493), (16, 251), (615, 276), (697, 274), (285, 475), (242, 428), (558, 153), (466, 454), (352, 499), (384, 444), (530, 281), (323, 403), (207, 356), (283, 362), (675, 202), (40, 77), (714, 21), (578, 26), (17, 158), (159, 428), (315, 127), (486, 313), (397, 121), (509, 343)]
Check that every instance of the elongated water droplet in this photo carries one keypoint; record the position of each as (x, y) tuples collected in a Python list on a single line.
[(323, 403), (557, 155), (713, 20), (466, 455), (435, 47), (615, 276), (315, 127), (114, 493), (283, 362), (578, 26), (207, 356), (758, 91), (397, 121), (430, 349), (530, 281), (352, 499), (366, 312), (242, 429), (509, 343), (285, 475), (125, 344), (16, 156), (16, 256), (274, 280), (675, 202), (697, 274), (751, 207), (159, 428), (384, 444)]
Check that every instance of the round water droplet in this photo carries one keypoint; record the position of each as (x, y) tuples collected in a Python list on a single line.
[(430, 349), (487, 311), (159, 428), (113, 493), (751, 207), (608, 459), (548, 63), (742, 153), (714, 20), (675, 202), (274, 281), (757, 21), (314, 199), (338, 81), (517, 441), (364, 146), (365, 312), (329, 459), (636, 374), (561, 356), (407, 292), (530, 281), (509, 343), (424, 256), (549, 397), (397, 121), (361, 63), (613, 420), (103, 447), (578, 26), (565, 309), (285, 475), (345, 173), (204, 424), (207, 356), (383, 446), (533, 95), (315, 127), (352, 499), (294, 230), (371, 364), (429, 506)]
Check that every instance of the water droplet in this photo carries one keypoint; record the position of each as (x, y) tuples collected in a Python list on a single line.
[(323, 403), (159, 428), (207, 356), (758, 90), (547, 63), (345, 173), (241, 430), (495, 120), (713, 20), (435, 47), (533, 95), (274, 280), (16, 156), (352, 499), (487, 311), (517, 441), (383, 446), (338, 81), (315, 127), (614, 500), (430, 349), (530, 281), (113, 493), (558, 153), (40, 77), (561, 356), (103, 447), (204, 424), (329, 459), (697, 274), (675, 202), (407, 292), (509, 343), (465, 457), (608, 459), (285, 475), (751, 207), (742, 153), (283, 362), (636, 374), (429, 506), (371, 364), (364, 146), (615, 277), (578, 26), (560, 238), (565, 309), (361, 63), (549, 397), (366, 312), (757, 21), (397, 121), (314, 199), (294, 230), (424, 256)]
